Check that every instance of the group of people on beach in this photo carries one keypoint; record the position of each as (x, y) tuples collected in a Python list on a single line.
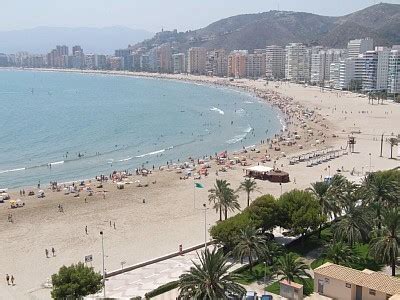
[(53, 251), (10, 280)]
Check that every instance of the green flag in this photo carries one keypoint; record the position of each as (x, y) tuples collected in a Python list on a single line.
[(199, 185)]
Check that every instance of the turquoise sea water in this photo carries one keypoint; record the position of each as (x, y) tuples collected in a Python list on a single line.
[(86, 125)]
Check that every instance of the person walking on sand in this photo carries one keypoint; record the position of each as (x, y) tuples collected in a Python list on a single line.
[(46, 252), (8, 279), (86, 229), (12, 279), (53, 251)]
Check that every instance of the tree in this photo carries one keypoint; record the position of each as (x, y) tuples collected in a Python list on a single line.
[(340, 254), (227, 232), (271, 252), (322, 192), (249, 186), (300, 212), (354, 226), (209, 279), (379, 192), (265, 211), (75, 281), (250, 244), (291, 267), (223, 197), (385, 246), (216, 196)]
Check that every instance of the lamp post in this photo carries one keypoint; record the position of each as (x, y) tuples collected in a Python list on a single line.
[(205, 226), (265, 274), (280, 183), (370, 162), (104, 272), (329, 171)]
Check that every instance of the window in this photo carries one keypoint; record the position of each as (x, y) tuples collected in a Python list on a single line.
[(372, 292), (348, 285)]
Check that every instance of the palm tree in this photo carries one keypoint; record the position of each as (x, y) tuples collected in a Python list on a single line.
[(291, 267), (209, 279), (379, 191), (322, 192), (250, 244), (339, 253), (249, 186), (385, 247), (216, 196), (354, 226)]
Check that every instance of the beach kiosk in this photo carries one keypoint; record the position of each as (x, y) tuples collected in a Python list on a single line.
[(258, 172)]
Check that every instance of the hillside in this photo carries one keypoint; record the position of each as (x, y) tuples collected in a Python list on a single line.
[(43, 39), (252, 31)]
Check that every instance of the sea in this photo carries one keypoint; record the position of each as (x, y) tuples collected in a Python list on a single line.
[(57, 126)]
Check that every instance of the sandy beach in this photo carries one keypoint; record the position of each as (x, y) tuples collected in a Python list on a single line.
[(171, 214)]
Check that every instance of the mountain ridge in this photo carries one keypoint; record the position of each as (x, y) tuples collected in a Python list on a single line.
[(252, 31)]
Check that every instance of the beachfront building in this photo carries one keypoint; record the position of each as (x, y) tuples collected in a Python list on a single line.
[(332, 56), (376, 70), (217, 63), (179, 63), (255, 65), (297, 67), (164, 58), (318, 61), (346, 73), (116, 63), (343, 283), (145, 63), (90, 61), (394, 71), (237, 63), (3, 60), (334, 75), (275, 62), (197, 57), (359, 46)]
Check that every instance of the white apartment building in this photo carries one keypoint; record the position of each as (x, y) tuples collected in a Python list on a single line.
[(334, 75), (275, 62), (255, 65), (297, 64), (359, 46), (394, 72), (346, 72), (217, 63), (376, 69), (179, 63), (197, 57), (318, 61), (332, 56)]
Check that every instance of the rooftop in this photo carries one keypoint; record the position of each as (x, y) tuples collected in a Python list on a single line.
[(373, 280)]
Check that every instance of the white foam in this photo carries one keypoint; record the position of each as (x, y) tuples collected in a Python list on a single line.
[(12, 170), (220, 111), (125, 159), (56, 163), (151, 153), (236, 139), (248, 129)]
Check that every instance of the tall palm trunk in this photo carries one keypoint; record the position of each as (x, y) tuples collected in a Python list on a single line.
[(226, 212), (250, 262), (220, 213), (248, 199)]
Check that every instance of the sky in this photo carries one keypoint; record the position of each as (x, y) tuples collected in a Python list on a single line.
[(152, 15)]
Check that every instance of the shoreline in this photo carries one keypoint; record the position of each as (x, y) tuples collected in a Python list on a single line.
[(181, 78)]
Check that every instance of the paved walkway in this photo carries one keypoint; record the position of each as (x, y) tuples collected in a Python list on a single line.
[(140, 281), (143, 280)]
